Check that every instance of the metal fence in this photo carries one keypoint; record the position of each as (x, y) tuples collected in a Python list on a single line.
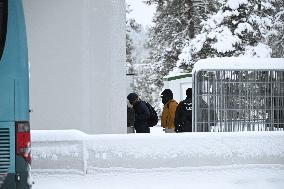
[(244, 100)]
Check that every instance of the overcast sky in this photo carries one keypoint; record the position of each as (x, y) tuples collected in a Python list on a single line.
[(141, 12)]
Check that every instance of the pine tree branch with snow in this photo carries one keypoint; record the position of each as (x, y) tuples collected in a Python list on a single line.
[(239, 28)]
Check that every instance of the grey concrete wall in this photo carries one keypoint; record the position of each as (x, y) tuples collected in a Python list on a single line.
[(77, 55)]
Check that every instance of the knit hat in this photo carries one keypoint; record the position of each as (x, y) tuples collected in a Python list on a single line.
[(132, 97), (168, 93), (188, 92)]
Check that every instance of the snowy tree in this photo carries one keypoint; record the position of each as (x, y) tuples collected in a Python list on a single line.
[(145, 86), (144, 83), (176, 21), (166, 38), (131, 26), (136, 53), (239, 28), (277, 40)]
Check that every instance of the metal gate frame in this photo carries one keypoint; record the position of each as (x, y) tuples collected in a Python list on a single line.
[(230, 100)]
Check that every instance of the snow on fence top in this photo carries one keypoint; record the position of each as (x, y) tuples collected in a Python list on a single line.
[(240, 63)]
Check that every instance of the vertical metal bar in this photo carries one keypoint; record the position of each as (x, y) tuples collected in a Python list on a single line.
[(235, 102), (253, 90), (239, 103), (208, 100), (272, 101), (218, 99), (266, 105), (258, 99), (244, 101), (255, 93), (229, 94), (276, 106), (222, 99), (198, 78), (232, 102), (194, 102), (203, 94), (214, 87), (282, 100), (250, 101), (247, 100)]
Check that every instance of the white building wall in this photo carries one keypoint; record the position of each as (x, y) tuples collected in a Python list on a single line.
[(178, 87), (77, 55)]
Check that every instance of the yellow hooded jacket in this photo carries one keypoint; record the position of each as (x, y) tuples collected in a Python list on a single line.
[(168, 114)]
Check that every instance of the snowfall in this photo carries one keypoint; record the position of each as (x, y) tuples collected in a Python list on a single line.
[(72, 159)]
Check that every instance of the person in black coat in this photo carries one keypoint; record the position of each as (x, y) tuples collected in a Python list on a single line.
[(130, 119), (142, 113), (183, 116)]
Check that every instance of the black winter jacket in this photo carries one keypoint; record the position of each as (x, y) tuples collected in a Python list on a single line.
[(142, 114), (183, 116)]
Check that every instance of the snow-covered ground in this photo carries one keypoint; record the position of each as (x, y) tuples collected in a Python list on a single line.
[(220, 177), (72, 159)]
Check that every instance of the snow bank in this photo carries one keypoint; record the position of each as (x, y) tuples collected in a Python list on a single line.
[(58, 135), (85, 153)]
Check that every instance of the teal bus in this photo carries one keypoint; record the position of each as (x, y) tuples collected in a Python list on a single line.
[(15, 143)]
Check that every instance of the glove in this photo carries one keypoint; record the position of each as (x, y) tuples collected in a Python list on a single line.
[(179, 129)]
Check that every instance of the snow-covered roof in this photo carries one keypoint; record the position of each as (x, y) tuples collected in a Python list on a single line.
[(239, 63), (176, 73), (177, 76)]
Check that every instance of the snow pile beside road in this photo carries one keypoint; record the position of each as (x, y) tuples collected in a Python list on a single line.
[(80, 151)]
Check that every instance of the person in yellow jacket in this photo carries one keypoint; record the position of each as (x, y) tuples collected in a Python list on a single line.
[(169, 110)]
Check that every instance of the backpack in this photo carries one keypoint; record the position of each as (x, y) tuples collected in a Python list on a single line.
[(153, 119)]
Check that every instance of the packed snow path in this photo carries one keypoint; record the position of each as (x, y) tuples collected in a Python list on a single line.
[(223, 177)]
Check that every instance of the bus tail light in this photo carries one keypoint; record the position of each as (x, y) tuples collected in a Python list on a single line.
[(23, 140)]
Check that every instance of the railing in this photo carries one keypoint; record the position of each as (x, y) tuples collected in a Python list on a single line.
[(250, 100), (4, 150), (4, 153)]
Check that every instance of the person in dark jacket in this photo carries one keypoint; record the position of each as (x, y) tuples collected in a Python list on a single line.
[(130, 119), (142, 113), (183, 117)]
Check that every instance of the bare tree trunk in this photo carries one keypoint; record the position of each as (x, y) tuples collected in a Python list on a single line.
[(190, 18)]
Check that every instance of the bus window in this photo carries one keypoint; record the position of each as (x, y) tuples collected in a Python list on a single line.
[(3, 24)]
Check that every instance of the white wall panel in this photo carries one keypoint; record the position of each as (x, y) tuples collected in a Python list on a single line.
[(77, 55)]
